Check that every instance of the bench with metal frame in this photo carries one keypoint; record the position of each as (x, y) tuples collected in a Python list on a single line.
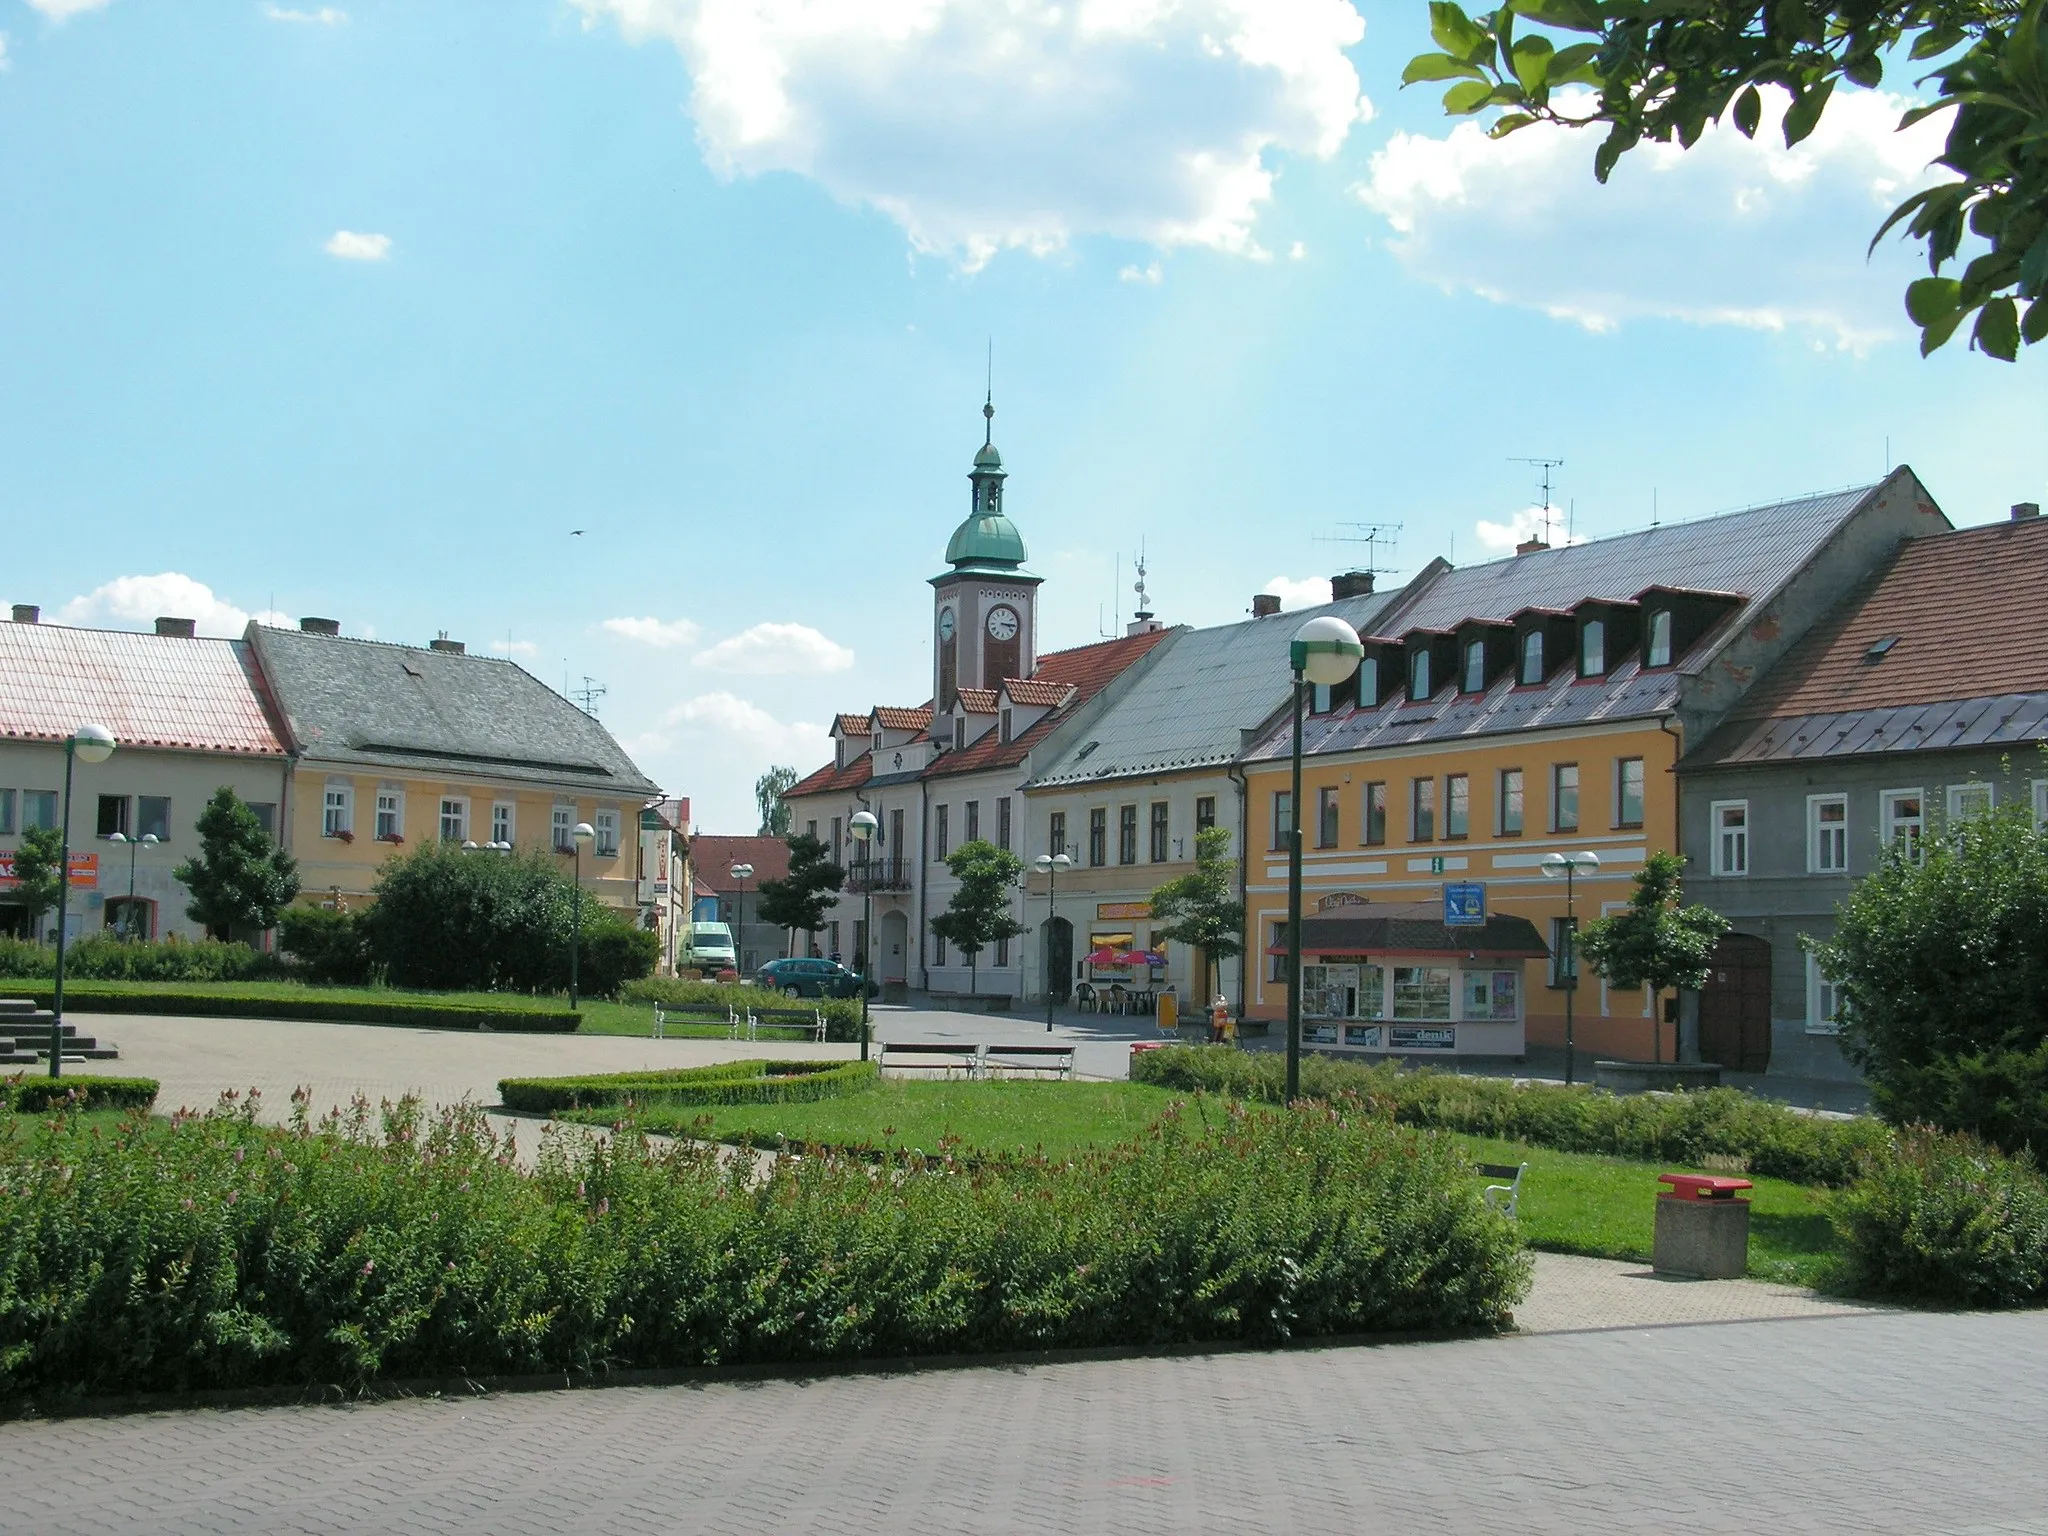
[(1503, 1197), (700, 1014), (1057, 1059), (809, 1021), (965, 1057)]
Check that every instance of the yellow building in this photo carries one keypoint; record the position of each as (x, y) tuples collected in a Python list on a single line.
[(1533, 706), (393, 746)]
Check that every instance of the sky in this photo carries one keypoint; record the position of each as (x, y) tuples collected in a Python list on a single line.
[(645, 341)]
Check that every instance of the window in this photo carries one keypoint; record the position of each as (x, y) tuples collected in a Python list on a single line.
[(896, 830), (959, 735), (153, 817), (810, 829), (338, 810), (1003, 951), (1490, 995), (1278, 970), (1730, 821), (1127, 834), (1902, 819), (6, 813), (562, 828), (1658, 652), (1475, 666), (1457, 805), (266, 815), (1421, 810), (1510, 820), (1532, 657), (839, 832), (1056, 832), (1205, 813), (938, 947), (1003, 822), (502, 821), (1564, 952), (1006, 724), (1422, 992), (454, 819), (971, 828), (1823, 1001), (1564, 797), (940, 814), (1592, 648), (1628, 792), (1326, 818), (1967, 800), (390, 814), (1369, 683), (1418, 676), (607, 829), (113, 815), (1827, 834), (1375, 815), (1159, 831), (1283, 817), (1098, 837), (1321, 698)]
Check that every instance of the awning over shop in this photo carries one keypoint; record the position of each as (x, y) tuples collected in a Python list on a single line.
[(1416, 928)]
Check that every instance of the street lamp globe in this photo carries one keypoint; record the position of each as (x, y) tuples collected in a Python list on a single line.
[(743, 871), (862, 826), (116, 837), (93, 743), (1555, 865), (150, 839), (1048, 862), (1326, 650), (585, 832)]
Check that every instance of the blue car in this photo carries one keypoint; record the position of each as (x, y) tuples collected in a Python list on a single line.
[(811, 978)]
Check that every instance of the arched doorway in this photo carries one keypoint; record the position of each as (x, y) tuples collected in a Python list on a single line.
[(895, 933), (131, 918), (1735, 1005), (1057, 936)]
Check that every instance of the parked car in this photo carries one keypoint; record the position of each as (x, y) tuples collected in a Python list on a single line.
[(812, 978)]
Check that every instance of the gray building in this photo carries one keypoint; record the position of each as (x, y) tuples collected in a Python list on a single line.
[(1921, 699)]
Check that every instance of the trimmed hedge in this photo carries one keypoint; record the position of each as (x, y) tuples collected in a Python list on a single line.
[(728, 1082), (102, 957), (213, 1252), (26, 1095), (1687, 1128), (1947, 1219), (88, 998), (842, 1014)]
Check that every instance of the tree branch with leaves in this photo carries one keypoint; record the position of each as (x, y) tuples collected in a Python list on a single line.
[(1654, 942), (979, 913), (1202, 908)]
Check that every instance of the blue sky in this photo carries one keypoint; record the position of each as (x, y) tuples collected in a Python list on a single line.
[(360, 310)]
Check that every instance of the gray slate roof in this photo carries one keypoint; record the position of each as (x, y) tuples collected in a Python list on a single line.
[(2011, 719), (1205, 687), (371, 704)]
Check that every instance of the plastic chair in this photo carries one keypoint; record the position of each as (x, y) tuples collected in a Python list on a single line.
[(1085, 999)]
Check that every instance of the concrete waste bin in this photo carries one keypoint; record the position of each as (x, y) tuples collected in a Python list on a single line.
[(1702, 1228)]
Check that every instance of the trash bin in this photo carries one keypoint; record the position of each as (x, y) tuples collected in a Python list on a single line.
[(1702, 1228), (1169, 1012)]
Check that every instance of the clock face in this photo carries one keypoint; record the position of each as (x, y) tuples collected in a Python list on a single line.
[(945, 623), (1002, 624)]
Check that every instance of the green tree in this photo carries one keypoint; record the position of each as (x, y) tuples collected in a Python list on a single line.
[(38, 883), (241, 878), (1202, 907), (1943, 968), (1661, 70), (979, 913), (1654, 942), (768, 792), (799, 901)]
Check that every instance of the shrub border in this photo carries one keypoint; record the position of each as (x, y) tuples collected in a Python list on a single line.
[(23, 1094), (85, 997), (755, 1081)]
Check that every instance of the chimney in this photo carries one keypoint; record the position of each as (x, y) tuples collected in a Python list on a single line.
[(320, 626), (2022, 511), (27, 613), (1350, 584), (183, 629), (443, 643), (1531, 546), (1265, 604)]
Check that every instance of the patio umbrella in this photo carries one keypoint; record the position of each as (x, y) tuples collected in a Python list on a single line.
[(1148, 957), (1107, 956)]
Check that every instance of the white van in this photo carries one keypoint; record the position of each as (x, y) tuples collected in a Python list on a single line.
[(708, 947)]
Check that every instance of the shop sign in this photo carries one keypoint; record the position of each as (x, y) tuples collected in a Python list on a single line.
[(1340, 899), (85, 871), (1465, 905), (1362, 1034), (1122, 910), (1412, 1038), (1318, 1034)]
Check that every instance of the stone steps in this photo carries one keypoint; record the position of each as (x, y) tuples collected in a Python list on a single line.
[(25, 1036)]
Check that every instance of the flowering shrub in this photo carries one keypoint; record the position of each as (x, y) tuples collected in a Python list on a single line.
[(1949, 1219)]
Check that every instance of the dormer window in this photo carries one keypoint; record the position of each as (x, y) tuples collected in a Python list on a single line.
[(1475, 666), (1321, 698), (1369, 683), (1658, 652), (1532, 658), (959, 733), (1593, 648), (1007, 727), (1418, 676)]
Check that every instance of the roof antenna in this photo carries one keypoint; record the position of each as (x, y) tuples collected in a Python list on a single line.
[(988, 403), (1546, 465), (1144, 605), (1655, 522)]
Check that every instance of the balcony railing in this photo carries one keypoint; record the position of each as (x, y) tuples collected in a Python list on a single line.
[(864, 875)]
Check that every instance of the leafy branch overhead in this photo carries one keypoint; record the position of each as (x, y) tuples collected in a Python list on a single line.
[(1662, 70)]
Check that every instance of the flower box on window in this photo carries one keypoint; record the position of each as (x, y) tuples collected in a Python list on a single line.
[(344, 834), (390, 837)]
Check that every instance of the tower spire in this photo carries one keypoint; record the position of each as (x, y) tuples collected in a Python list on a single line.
[(988, 403)]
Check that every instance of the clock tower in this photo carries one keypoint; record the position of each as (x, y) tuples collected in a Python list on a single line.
[(985, 609)]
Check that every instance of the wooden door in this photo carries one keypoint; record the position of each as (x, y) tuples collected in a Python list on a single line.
[(1735, 1005)]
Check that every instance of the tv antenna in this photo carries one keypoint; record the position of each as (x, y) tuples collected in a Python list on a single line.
[(1144, 610), (1379, 540), (1546, 465), (587, 696)]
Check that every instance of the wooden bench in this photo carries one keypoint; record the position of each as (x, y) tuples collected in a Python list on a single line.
[(809, 1021), (1502, 1197), (939, 1057), (703, 1014), (1057, 1059)]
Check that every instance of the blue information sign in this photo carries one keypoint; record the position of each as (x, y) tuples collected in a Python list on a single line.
[(1465, 905)]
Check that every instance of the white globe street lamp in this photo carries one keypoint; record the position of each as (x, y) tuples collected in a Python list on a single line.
[(863, 827), (583, 833), (1322, 654), (1565, 867), (1050, 865)]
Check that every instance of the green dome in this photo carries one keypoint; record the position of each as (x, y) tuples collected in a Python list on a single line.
[(986, 457), (986, 539)]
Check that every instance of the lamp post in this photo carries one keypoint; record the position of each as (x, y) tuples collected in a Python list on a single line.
[(134, 847), (1323, 652), (1565, 866), (862, 825), (741, 874), (584, 833), (1050, 865), (91, 744)]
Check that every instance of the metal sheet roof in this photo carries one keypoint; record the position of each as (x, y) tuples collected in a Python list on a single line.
[(2011, 719), (149, 690)]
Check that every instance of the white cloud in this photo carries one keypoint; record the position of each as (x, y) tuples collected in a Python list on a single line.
[(981, 127), (1732, 232), (665, 634), (1529, 523), (1297, 251), (515, 648), (325, 16), (771, 649), (141, 600), (60, 10), (722, 722), (1148, 274), (351, 246), (1308, 592)]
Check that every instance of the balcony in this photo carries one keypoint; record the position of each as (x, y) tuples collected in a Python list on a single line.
[(865, 875)]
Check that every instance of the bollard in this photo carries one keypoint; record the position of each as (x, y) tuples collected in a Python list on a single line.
[(1702, 1228)]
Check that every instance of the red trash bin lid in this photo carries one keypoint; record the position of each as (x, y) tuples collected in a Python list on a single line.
[(1702, 1186)]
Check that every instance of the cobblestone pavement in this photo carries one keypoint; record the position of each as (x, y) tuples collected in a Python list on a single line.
[(1874, 1422)]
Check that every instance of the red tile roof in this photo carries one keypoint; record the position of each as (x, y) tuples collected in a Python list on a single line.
[(832, 779), (1086, 670), (893, 718), (1965, 612), (712, 859), (978, 701), (1031, 690), (149, 690), (852, 725)]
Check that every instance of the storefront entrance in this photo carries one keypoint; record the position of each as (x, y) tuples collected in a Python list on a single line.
[(1735, 1005)]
